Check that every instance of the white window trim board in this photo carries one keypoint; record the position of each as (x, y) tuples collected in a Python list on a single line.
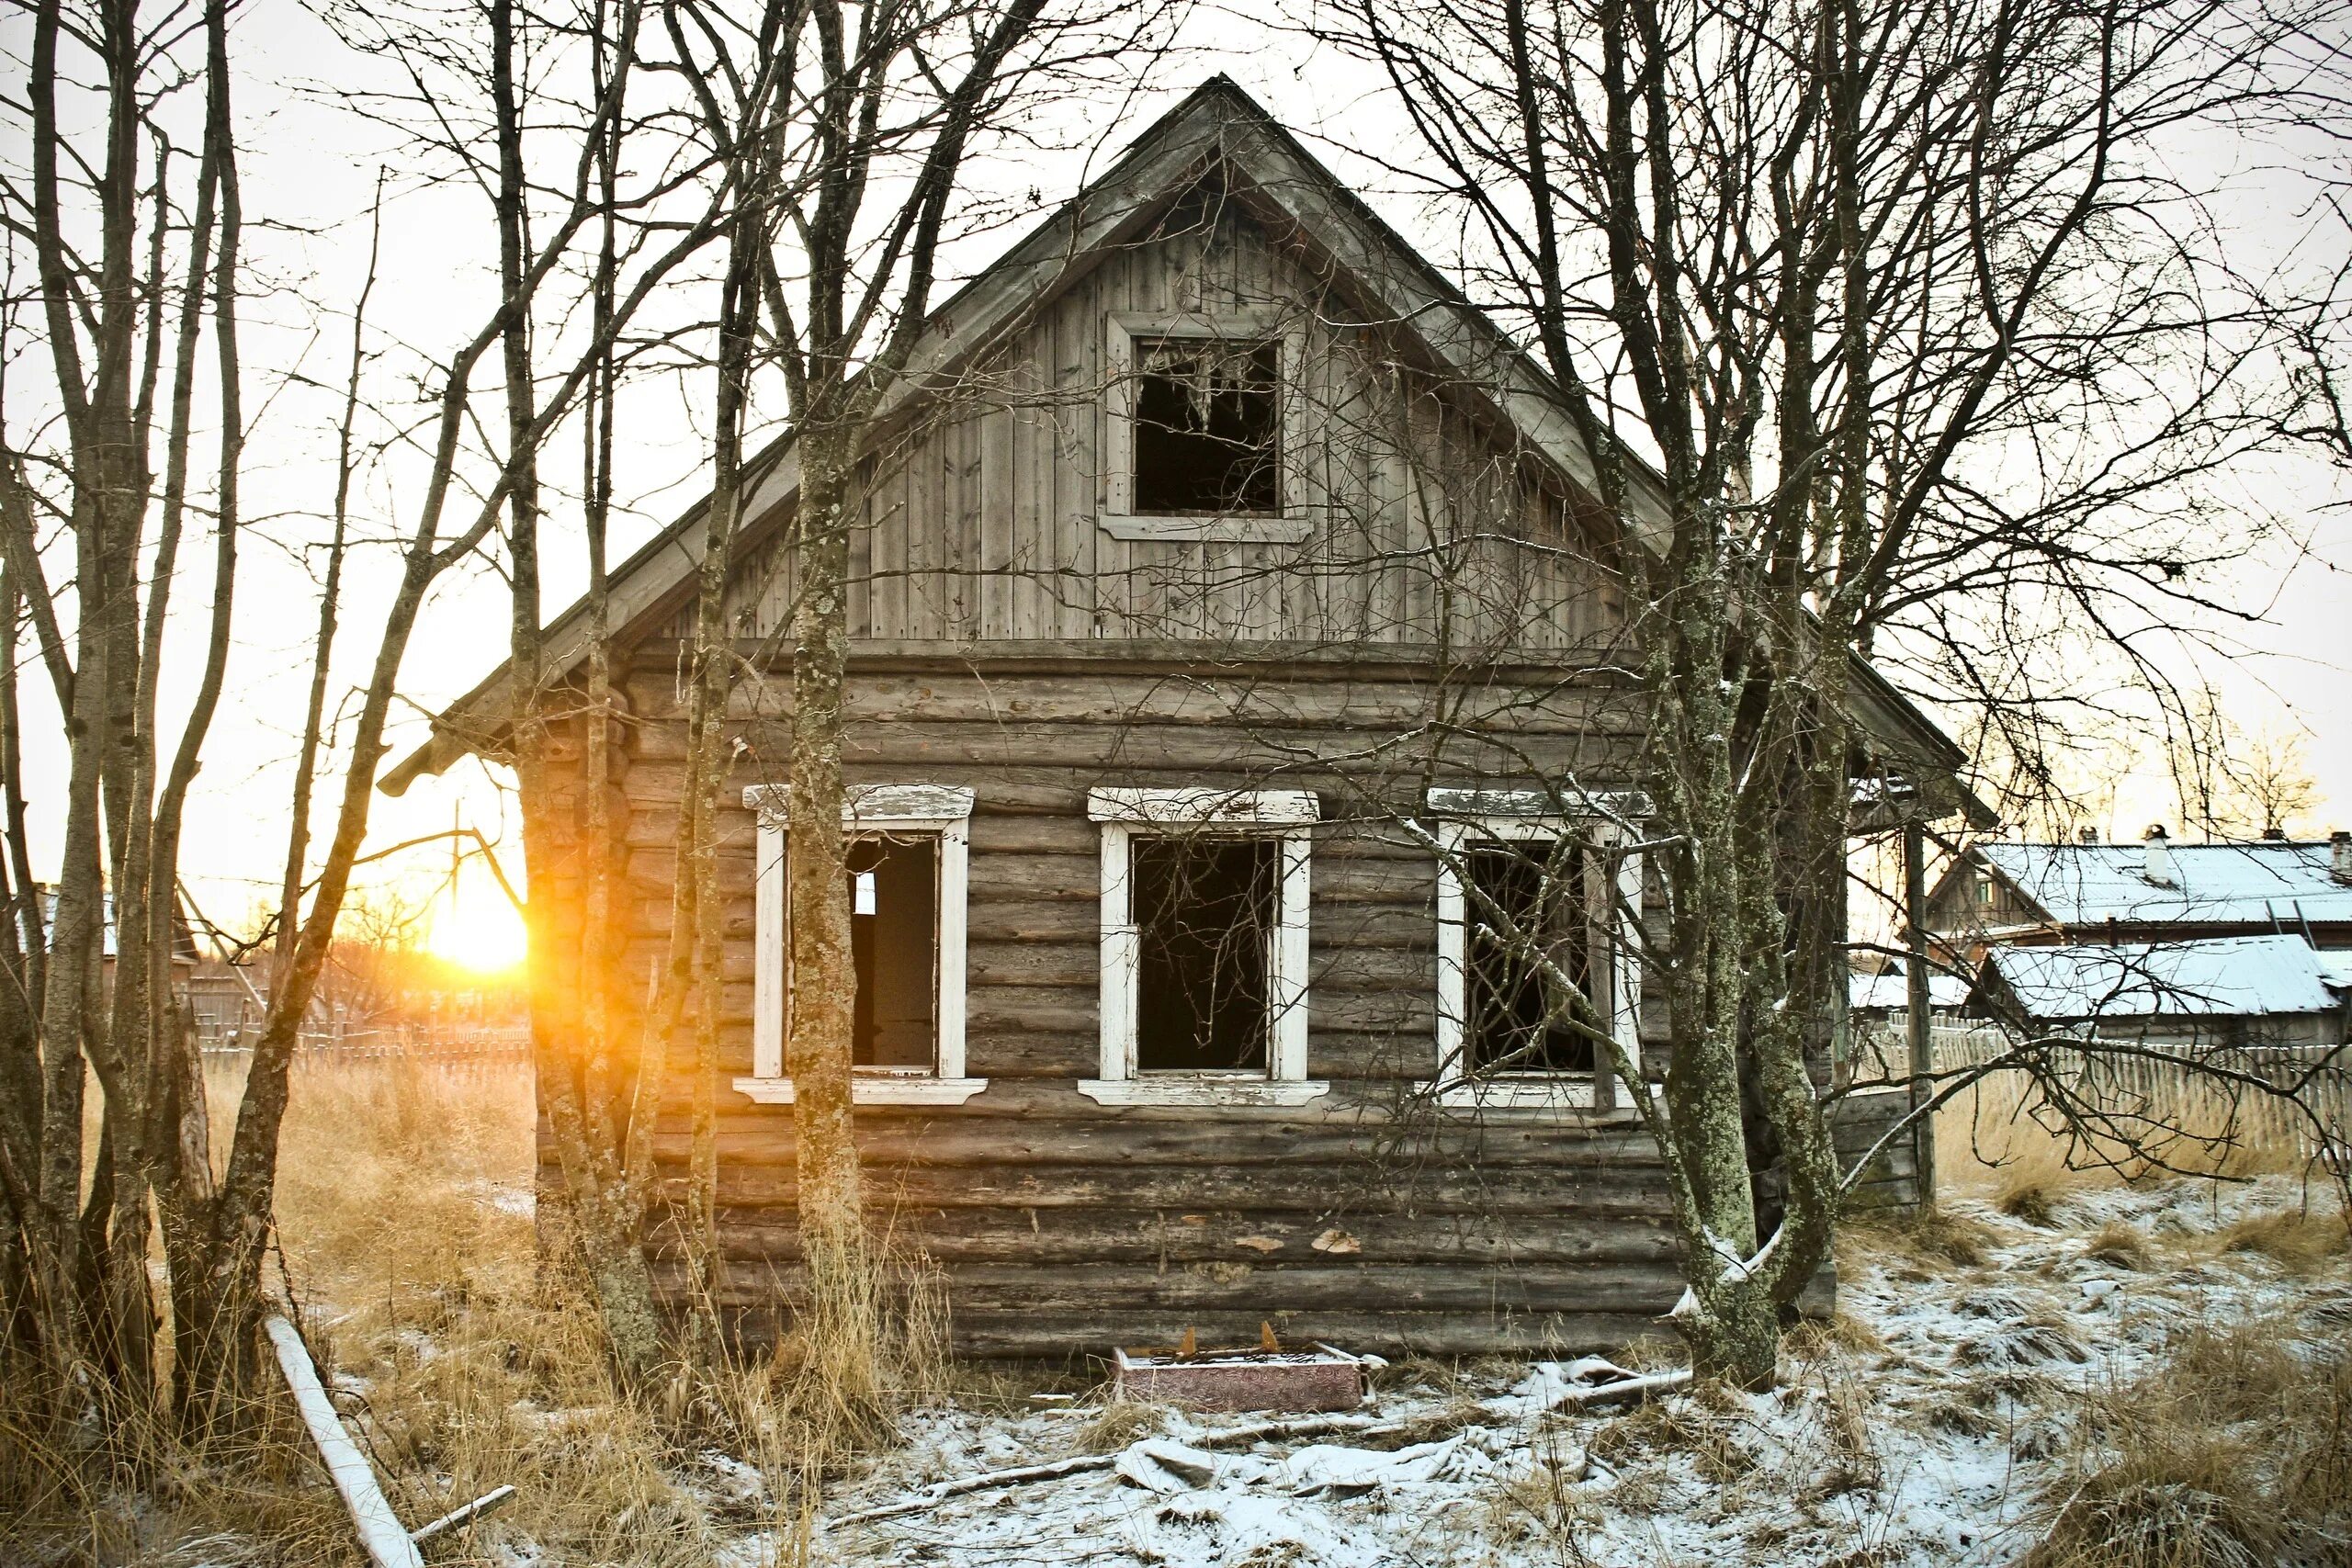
[(945, 811), (1119, 518), (1123, 812), (1516, 1090)]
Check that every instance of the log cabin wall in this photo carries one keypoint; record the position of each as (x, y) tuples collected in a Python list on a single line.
[(1064, 1225)]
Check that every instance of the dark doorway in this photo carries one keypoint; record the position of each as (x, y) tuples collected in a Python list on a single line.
[(1513, 1024), (1204, 909), (894, 943), (1207, 427)]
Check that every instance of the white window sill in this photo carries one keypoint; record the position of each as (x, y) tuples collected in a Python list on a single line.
[(1517, 1094), (875, 1090), (1201, 1090), (1214, 530)]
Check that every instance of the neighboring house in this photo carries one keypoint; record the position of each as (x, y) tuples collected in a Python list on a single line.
[(2044, 894), (228, 1002), (1249, 541), (182, 960), (2222, 991)]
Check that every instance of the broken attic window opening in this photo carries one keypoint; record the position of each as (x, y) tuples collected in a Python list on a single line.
[(1207, 427), (1206, 909), (1521, 898), (894, 946)]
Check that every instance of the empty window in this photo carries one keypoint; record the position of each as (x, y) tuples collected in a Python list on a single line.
[(1537, 955), (1204, 903), (1529, 960), (894, 944), (1207, 431), (1205, 909), (906, 854)]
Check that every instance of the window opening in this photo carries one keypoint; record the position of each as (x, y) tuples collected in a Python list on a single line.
[(1522, 1019), (1206, 909), (894, 947), (1207, 426)]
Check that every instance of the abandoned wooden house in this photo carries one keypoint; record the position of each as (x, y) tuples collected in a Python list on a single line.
[(1231, 567)]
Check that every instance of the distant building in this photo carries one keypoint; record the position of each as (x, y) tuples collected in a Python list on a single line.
[(2222, 991), (2089, 893)]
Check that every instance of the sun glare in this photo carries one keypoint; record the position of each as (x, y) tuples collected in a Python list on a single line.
[(479, 929)]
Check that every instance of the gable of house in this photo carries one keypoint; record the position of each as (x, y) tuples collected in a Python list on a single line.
[(1432, 493)]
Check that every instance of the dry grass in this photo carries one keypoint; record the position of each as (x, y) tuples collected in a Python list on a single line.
[(1934, 1241), (2027, 1199), (407, 1227), (2302, 1240), (1119, 1423), (1989, 1144), (2237, 1452), (1689, 1425), (2119, 1246)]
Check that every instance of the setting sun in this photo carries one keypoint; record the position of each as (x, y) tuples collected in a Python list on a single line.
[(476, 927)]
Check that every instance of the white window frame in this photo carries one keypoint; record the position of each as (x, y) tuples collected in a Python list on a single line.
[(1287, 815), (1119, 518), (1468, 815), (886, 808)]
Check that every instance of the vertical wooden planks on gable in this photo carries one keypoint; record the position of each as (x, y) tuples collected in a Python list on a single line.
[(1069, 542)]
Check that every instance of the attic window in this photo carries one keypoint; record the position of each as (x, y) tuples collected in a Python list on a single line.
[(1207, 427), (1201, 426)]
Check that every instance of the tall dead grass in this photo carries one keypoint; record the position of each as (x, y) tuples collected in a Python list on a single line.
[(407, 1228), (2237, 1452), (1989, 1145)]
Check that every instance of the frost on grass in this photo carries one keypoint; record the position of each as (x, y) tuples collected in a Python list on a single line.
[(1967, 1388)]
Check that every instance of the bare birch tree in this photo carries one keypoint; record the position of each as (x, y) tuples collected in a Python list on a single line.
[(852, 126), (107, 312), (1858, 311)]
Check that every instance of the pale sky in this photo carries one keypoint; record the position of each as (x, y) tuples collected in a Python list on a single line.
[(308, 169)]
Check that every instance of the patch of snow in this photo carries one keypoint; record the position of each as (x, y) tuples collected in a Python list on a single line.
[(1919, 1454)]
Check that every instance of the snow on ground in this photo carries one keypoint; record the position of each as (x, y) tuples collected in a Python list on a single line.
[(1913, 1430)]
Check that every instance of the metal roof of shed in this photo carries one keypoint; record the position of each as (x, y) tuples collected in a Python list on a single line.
[(2240, 884), (2243, 976)]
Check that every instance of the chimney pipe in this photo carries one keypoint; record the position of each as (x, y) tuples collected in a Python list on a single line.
[(2156, 862), (2339, 851)]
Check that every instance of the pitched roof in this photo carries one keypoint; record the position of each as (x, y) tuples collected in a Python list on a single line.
[(2243, 976), (2260, 883), (1890, 992), (1218, 125)]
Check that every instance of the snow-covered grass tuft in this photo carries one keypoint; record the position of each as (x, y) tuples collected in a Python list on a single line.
[(1121, 1421)]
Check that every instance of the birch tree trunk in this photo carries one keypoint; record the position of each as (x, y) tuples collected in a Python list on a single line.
[(832, 1218)]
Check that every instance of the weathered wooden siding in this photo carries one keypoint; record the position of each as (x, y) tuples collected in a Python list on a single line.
[(1063, 1225), (982, 522)]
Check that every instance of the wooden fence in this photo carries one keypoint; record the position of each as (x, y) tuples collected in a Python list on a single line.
[(2163, 1094), (457, 1049)]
